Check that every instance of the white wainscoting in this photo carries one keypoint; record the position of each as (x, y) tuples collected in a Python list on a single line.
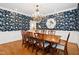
[(10, 36), (74, 36)]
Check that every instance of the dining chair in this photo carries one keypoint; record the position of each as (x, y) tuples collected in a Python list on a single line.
[(30, 39), (34, 41), (51, 32), (23, 38), (66, 44), (26, 39), (60, 49), (41, 44), (43, 31)]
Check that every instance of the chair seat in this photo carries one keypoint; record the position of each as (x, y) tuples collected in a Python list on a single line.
[(60, 47)]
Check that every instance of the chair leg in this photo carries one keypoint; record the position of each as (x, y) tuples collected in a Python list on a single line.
[(33, 48), (23, 44), (37, 50), (26, 45)]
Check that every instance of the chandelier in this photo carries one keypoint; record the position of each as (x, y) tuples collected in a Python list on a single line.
[(36, 16)]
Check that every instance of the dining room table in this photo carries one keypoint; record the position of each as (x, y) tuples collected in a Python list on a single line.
[(44, 36)]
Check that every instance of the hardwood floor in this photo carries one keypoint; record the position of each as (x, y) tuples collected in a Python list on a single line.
[(15, 48)]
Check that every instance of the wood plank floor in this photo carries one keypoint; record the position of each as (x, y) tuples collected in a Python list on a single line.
[(15, 48)]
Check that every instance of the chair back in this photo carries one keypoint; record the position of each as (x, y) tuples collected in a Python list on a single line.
[(65, 49)]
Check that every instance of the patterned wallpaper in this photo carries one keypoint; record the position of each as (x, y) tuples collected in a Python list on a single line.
[(11, 21), (77, 18), (68, 21)]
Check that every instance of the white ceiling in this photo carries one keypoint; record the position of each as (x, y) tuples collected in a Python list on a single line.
[(45, 8)]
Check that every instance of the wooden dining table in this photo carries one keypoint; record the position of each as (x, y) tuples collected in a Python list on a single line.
[(42, 39), (46, 37)]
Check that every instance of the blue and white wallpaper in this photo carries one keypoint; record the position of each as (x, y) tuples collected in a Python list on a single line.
[(11, 21), (68, 21)]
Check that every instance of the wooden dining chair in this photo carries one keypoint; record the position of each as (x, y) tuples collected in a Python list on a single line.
[(51, 32), (60, 49), (26, 39), (34, 41), (34, 47), (23, 38), (41, 44), (43, 31), (66, 43), (30, 39)]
